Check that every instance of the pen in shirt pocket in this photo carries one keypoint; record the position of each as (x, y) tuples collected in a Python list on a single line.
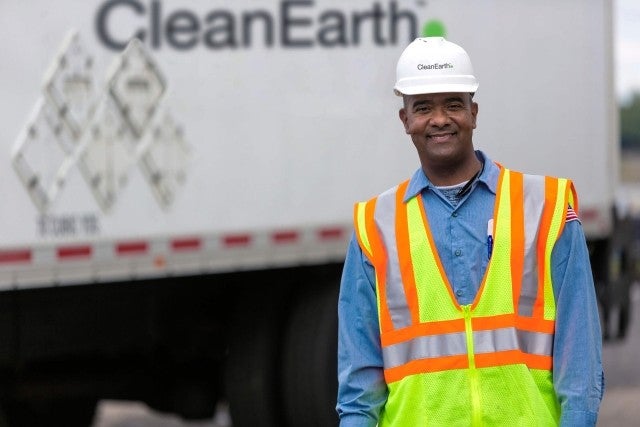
[(489, 238)]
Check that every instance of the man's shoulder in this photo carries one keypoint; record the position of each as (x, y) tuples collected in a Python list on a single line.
[(405, 185)]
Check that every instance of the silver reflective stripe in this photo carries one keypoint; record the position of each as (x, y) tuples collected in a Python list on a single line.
[(385, 219), (533, 204), (536, 343), (490, 341), (495, 340), (426, 347), (505, 339)]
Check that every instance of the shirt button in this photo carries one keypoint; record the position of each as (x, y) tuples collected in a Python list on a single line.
[(455, 214), (458, 252), (459, 292)]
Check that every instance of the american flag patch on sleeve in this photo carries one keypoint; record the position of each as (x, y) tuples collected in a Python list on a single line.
[(571, 215)]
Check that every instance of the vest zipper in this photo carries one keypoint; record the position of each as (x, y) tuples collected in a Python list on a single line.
[(474, 380)]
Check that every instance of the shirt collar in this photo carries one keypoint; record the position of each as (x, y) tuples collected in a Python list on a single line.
[(489, 177)]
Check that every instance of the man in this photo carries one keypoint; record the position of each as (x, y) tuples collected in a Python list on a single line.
[(467, 297)]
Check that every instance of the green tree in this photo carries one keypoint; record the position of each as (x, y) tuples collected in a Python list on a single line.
[(630, 123)]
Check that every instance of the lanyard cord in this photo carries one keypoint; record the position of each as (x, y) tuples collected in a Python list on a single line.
[(464, 190)]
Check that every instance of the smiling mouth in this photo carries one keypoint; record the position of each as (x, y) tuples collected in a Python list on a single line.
[(441, 137)]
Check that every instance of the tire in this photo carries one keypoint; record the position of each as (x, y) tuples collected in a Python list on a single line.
[(604, 309), (624, 313), (252, 370), (72, 412), (3, 419), (310, 360), (188, 396)]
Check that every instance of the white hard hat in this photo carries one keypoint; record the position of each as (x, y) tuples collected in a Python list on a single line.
[(434, 65)]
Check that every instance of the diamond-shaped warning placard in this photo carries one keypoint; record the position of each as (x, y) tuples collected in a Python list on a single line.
[(136, 86), (164, 159), (107, 154), (106, 132), (39, 156), (70, 84)]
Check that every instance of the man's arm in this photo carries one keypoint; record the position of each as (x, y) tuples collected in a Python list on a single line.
[(362, 391), (577, 353)]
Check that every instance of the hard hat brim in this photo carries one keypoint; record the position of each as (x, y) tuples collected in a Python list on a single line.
[(430, 88)]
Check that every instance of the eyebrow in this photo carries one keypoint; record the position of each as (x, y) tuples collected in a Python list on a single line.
[(455, 98), (429, 102)]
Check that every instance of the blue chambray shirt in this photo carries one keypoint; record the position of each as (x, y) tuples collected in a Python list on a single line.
[(460, 235)]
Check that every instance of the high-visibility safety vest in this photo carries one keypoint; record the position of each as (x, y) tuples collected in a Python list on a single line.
[(488, 363)]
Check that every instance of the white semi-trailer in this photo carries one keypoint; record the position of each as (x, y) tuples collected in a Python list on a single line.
[(177, 182)]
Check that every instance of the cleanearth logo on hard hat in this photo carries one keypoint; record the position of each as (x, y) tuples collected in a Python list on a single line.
[(436, 66)]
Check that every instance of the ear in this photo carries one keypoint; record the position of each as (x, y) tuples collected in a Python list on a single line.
[(404, 119), (474, 112)]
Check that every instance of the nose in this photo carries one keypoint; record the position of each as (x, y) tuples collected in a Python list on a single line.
[(439, 117)]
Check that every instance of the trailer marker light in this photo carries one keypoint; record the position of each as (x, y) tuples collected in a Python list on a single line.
[(330, 233), (236, 240), (283, 237), (15, 256), (67, 252), (132, 248), (184, 245)]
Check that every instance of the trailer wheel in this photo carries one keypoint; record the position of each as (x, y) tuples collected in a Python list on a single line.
[(625, 317), (189, 397), (69, 412), (310, 360), (251, 374), (623, 305), (613, 276)]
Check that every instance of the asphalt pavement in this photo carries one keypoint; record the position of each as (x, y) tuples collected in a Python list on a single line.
[(136, 414), (621, 404)]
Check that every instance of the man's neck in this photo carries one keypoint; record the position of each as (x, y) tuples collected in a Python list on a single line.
[(452, 175)]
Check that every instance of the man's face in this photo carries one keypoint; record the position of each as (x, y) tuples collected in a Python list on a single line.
[(441, 126)]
